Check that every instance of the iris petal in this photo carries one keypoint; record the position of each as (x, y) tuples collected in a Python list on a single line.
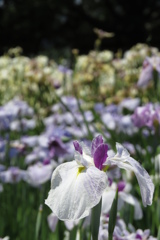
[(123, 160), (95, 143), (72, 195), (77, 146), (100, 155)]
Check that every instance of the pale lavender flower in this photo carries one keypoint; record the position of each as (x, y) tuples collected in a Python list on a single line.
[(53, 130), (52, 222), (30, 141), (17, 108), (88, 116), (57, 147), (125, 124), (143, 235), (149, 65), (39, 173), (14, 149), (129, 103), (2, 167), (143, 116), (23, 124), (123, 197), (121, 232), (76, 132), (147, 116), (99, 107), (156, 115), (12, 175), (38, 154), (112, 109), (109, 121), (70, 102)]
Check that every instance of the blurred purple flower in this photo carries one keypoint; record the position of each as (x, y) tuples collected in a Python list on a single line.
[(129, 104), (23, 124), (99, 107), (12, 175), (149, 65), (57, 147), (38, 154), (121, 185), (52, 220), (39, 173), (143, 116), (70, 102), (30, 141)]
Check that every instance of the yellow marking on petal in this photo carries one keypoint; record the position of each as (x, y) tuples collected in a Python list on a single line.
[(105, 168), (80, 169)]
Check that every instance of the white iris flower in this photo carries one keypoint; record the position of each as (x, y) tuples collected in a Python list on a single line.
[(77, 186)]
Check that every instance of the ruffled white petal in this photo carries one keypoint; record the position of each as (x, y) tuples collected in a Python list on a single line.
[(121, 152), (144, 180), (124, 161), (75, 191)]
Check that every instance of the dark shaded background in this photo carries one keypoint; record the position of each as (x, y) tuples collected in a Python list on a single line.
[(45, 26)]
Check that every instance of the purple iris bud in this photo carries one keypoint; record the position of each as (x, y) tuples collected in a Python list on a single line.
[(138, 236), (77, 147), (95, 143), (100, 155), (46, 161), (121, 185)]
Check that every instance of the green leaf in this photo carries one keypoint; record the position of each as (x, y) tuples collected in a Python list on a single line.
[(95, 220), (38, 222), (158, 237), (113, 216)]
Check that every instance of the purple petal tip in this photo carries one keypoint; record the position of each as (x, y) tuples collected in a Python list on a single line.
[(77, 147), (100, 155), (95, 143)]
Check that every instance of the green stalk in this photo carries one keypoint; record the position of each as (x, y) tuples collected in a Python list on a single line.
[(158, 237), (95, 220), (66, 107), (60, 230), (38, 222), (112, 217)]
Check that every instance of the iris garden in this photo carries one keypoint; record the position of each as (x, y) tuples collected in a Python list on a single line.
[(79, 146)]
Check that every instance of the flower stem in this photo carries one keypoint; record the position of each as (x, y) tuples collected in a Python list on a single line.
[(38, 222), (95, 220), (113, 217)]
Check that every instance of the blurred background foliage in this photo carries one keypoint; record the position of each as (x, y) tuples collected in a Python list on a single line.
[(55, 27)]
